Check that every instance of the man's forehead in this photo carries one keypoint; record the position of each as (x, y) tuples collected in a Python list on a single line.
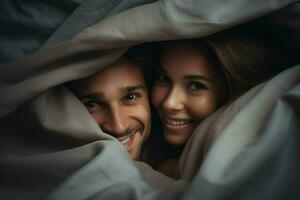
[(112, 94), (115, 79)]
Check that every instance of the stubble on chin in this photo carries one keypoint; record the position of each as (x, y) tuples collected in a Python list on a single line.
[(135, 154)]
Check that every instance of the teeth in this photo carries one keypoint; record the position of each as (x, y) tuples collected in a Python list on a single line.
[(125, 141), (177, 122)]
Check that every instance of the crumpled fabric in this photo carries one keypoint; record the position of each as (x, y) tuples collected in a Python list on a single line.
[(51, 148)]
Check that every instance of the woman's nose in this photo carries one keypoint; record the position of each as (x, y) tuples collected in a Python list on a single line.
[(174, 101)]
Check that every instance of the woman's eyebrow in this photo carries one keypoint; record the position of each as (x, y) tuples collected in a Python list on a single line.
[(197, 77)]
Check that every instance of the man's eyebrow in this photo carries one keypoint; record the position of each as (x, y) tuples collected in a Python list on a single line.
[(130, 89), (92, 95), (195, 77)]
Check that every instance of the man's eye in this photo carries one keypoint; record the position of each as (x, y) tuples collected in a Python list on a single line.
[(92, 105), (130, 97), (196, 86)]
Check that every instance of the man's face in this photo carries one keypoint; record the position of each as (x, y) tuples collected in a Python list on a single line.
[(118, 101)]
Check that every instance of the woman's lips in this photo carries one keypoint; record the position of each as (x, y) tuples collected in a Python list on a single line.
[(175, 124)]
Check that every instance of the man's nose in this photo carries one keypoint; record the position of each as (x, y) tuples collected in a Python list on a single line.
[(116, 123), (174, 101)]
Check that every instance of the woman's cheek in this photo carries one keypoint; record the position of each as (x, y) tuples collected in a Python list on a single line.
[(202, 106)]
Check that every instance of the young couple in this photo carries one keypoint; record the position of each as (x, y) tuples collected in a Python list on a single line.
[(190, 80)]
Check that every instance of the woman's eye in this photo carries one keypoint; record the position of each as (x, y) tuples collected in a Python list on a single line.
[(196, 86)]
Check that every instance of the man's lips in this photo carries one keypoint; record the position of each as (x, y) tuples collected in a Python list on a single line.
[(127, 140)]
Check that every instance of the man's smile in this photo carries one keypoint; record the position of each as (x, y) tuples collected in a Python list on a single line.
[(127, 140)]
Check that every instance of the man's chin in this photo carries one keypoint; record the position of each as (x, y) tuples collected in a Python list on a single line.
[(135, 148), (135, 155)]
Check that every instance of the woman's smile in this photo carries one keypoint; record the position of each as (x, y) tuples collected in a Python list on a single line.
[(176, 123)]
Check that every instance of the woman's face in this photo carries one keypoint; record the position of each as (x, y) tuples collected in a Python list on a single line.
[(187, 88)]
